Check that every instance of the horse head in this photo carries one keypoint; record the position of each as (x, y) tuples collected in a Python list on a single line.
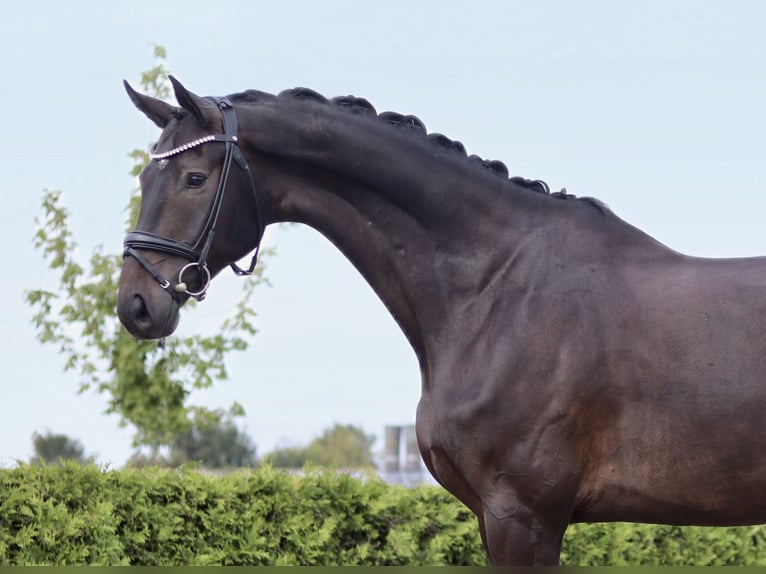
[(190, 225)]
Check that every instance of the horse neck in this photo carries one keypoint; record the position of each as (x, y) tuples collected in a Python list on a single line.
[(422, 224)]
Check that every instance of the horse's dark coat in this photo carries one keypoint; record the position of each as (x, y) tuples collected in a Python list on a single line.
[(573, 368)]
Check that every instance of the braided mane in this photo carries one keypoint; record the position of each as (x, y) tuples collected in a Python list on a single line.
[(412, 124)]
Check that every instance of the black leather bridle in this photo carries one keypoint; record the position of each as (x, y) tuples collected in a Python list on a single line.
[(197, 253)]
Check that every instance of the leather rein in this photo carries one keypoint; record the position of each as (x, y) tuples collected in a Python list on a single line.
[(197, 253)]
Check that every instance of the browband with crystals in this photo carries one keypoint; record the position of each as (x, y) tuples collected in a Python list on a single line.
[(191, 144)]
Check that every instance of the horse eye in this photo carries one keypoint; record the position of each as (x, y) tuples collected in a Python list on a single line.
[(195, 179)]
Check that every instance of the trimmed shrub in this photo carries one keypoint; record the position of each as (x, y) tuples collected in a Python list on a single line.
[(82, 515), (624, 544), (75, 515)]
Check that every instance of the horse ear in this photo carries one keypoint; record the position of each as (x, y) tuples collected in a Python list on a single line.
[(203, 110), (156, 110)]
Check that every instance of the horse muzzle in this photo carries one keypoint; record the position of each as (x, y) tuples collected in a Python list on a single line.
[(146, 311)]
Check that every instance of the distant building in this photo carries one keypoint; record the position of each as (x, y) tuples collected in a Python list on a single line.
[(402, 463)]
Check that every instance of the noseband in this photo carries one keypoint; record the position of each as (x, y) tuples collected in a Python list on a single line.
[(197, 253)]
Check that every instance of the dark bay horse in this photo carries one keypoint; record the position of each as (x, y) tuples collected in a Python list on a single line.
[(573, 368)]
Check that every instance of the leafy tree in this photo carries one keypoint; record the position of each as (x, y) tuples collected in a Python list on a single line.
[(220, 446), (344, 446), (223, 446), (148, 383), (53, 448)]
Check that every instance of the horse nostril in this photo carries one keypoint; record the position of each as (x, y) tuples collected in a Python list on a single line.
[(139, 313)]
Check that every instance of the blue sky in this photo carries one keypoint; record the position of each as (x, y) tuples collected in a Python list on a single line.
[(656, 108)]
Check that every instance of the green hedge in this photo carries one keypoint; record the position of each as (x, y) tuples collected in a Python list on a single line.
[(81, 515), (73, 515), (622, 544)]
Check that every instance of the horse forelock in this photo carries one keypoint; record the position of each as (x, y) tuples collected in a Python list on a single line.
[(413, 125)]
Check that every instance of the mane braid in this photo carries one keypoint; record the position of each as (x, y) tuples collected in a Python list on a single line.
[(413, 125), (354, 105), (305, 94)]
